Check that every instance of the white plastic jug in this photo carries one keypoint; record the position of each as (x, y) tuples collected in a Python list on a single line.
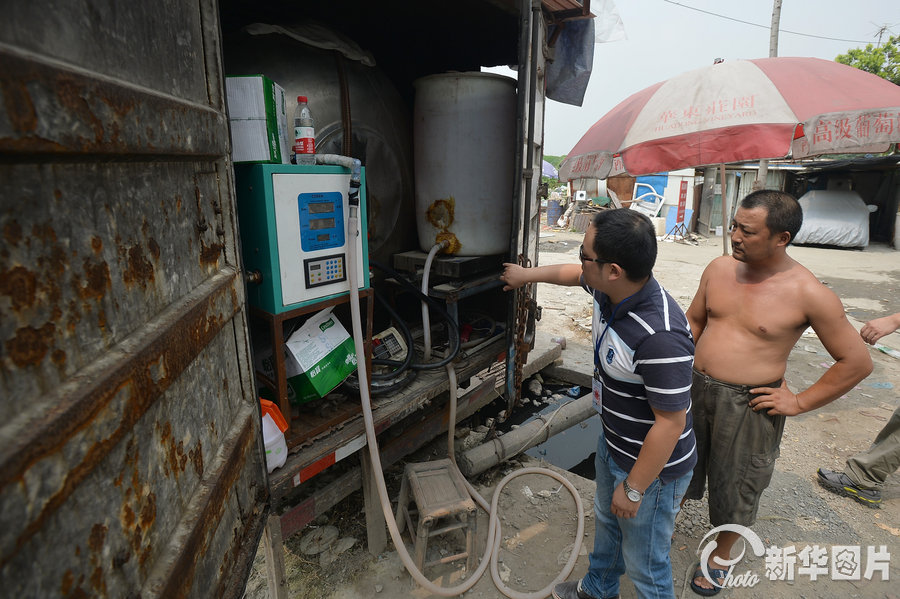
[(276, 447)]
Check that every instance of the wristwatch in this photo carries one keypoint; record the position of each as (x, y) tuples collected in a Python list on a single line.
[(632, 494)]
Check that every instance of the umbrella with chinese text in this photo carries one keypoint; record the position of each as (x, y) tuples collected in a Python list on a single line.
[(738, 111)]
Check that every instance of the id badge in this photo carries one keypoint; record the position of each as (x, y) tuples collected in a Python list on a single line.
[(597, 389)]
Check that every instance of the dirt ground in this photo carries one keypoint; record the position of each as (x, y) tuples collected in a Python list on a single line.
[(539, 523)]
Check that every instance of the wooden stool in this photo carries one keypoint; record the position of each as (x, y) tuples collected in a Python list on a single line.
[(443, 504)]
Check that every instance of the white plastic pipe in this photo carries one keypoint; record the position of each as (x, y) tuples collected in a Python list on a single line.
[(494, 534), (426, 318)]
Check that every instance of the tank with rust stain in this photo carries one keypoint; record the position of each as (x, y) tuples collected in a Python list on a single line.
[(464, 139)]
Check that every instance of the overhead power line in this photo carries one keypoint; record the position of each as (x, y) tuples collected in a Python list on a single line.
[(821, 37)]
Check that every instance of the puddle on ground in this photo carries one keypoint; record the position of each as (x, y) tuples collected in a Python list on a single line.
[(573, 449)]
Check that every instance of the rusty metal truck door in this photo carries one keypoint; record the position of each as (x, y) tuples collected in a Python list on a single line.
[(526, 212), (130, 457)]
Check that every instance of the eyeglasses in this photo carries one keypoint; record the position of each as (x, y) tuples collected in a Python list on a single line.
[(584, 258)]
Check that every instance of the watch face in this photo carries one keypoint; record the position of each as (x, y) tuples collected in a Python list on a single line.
[(633, 495)]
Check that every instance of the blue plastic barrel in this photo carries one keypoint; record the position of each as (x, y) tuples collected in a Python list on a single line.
[(554, 211)]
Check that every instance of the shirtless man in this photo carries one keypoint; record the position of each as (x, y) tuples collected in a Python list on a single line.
[(749, 311)]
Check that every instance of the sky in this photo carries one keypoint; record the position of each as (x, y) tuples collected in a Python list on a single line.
[(665, 39)]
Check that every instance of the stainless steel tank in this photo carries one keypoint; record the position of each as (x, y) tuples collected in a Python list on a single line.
[(380, 124)]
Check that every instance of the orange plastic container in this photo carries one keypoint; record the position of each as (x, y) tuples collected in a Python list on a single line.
[(269, 407)]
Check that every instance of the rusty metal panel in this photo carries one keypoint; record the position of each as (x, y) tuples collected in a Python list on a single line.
[(131, 462)]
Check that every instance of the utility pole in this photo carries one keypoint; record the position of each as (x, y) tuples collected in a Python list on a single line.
[(760, 182)]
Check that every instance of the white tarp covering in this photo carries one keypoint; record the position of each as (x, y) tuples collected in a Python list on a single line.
[(834, 217)]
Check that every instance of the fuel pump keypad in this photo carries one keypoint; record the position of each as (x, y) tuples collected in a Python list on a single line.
[(324, 270)]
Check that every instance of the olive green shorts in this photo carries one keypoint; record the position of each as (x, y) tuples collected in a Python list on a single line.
[(736, 449)]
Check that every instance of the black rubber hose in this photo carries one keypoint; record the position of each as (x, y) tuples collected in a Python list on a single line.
[(407, 336), (382, 387), (453, 328)]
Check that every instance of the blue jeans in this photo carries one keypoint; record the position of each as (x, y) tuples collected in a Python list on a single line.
[(638, 545)]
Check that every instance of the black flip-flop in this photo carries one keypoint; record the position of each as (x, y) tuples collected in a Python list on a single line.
[(716, 573)]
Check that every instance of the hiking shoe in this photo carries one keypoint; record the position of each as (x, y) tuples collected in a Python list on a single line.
[(572, 590), (840, 483)]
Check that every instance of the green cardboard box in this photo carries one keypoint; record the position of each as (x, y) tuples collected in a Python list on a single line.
[(257, 117), (318, 357)]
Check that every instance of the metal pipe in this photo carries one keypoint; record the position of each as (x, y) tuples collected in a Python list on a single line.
[(484, 456)]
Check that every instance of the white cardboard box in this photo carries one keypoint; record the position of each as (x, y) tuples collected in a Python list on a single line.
[(257, 115), (318, 357)]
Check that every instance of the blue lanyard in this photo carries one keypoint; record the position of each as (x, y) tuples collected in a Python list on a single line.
[(609, 322)]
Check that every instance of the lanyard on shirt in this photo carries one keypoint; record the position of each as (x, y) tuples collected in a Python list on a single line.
[(609, 322)]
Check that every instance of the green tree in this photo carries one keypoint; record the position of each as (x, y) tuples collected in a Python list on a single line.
[(883, 60)]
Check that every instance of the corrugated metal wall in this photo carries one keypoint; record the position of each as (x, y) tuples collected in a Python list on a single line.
[(130, 459)]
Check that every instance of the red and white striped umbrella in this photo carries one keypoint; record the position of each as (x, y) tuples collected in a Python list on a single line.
[(742, 110)]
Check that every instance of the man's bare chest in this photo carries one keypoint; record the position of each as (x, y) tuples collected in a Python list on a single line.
[(762, 309)]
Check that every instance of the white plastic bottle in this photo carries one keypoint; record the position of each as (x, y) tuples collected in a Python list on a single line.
[(273, 427), (276, 447), (304, 149)]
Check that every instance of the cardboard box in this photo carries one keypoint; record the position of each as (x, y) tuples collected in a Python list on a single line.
[(257, 115), (318, 357)]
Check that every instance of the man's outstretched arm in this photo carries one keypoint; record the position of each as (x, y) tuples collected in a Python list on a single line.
[(559, 274)]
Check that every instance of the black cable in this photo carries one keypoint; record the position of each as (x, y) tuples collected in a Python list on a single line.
[(382, 387), (407, 336), (453, 328)]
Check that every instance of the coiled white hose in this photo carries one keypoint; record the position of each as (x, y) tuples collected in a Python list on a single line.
[(494, 534)]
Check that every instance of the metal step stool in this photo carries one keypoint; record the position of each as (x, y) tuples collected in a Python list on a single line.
[(443, 504)]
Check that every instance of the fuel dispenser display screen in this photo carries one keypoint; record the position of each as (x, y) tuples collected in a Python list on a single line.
[(321, 220)]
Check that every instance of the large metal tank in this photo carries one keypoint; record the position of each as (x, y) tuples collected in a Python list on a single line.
[(131, 459), (379, 122), (464, 129)]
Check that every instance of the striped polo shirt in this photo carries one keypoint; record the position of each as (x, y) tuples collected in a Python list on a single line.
[(643, 354)]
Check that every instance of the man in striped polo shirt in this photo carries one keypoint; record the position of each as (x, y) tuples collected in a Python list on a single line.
[(643, 353)]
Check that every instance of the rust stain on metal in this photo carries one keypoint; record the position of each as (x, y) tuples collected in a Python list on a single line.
[(138, 512), (96, 244), (43, 232), (59, 357), (65, 586), (148, 512), (97, 538), (138, 269), (96, 280), (176, 459), (127, 383), (96, 541), (56, 263), (121, 558), (154, 249), (196, 456), (441, 215), (19, 284), (12, 231), (441, 212), (453, 244), (29, 346), (74, 317), (98, 582), (209, 254), (17, 101), (71, 97)]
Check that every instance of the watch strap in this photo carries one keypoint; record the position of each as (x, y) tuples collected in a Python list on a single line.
[(628, 488)]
